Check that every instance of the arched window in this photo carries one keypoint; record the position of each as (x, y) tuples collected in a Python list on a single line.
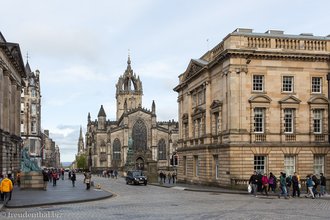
[(161, 149), (139, 134), (116, 150)]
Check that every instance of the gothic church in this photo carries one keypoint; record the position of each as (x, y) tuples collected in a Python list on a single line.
[(136, 130)]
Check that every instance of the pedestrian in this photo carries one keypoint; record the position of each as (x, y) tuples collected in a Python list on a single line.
[(18, 178), (55, 177), (45, 178), (283, 186), (254, 183), (87, 180), (259, 184), (295, 185), (69, 173), (323, 182), (161, 176), (169, 176), (264, 181), (6, 188), (173, 177), (62, 173), (115, 173), (288, 184), (316, 184), (73, 178), (271, 182), (310, 184)]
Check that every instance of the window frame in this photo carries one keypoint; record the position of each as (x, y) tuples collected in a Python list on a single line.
[(257, 165), (289, 125), (289, 164), (316, 85), (286, 85), (318, 112), (258, 83), (256, 124)]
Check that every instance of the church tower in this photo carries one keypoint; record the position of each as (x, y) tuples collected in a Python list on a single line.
[(128, 90), (81, 142)]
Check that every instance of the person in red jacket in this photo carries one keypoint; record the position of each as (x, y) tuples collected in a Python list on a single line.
[(264, 181), (6, 187)]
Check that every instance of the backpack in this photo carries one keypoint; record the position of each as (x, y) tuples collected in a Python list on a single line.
[(288, 181)]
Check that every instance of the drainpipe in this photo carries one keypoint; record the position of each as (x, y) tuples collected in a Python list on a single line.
[(328, 79)]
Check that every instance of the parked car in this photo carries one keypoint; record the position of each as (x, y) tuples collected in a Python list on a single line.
[(136, 177)]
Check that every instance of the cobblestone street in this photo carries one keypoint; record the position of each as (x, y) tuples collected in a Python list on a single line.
[(154, 202)]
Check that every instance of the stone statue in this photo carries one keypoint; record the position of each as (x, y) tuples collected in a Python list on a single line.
[(27, 164)]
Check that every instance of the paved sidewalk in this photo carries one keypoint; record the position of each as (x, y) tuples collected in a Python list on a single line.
[(62, 193)]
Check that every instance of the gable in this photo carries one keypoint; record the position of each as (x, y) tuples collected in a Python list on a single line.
[(194, 67), (290, 100), (318, 100), (260, 99)]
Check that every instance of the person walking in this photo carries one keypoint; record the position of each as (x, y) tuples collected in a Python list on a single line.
[(6, 187), (323, 182), (73, 178), (173, 177), (272, 182), (45, 178), (310, 184), (264, 181), (54, 176), (254, 183), (283, 186), (295, 185), (87, 180), (169, 177)]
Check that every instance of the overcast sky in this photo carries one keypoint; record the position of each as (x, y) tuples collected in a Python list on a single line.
[(81, 48)]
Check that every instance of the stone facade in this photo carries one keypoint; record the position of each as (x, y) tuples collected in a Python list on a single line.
[(12, 73), (31, 114), (107, 141), (256, 101)]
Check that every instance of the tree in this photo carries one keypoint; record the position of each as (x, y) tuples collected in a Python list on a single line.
[(82, 162)]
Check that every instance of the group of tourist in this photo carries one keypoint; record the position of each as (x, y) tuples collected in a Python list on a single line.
[(264, 184), (109, 173), (171, 177)]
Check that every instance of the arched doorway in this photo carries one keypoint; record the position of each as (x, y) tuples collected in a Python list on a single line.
[(139, 163)]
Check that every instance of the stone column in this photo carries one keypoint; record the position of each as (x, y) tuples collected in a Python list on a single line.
[(6, 97), (1, 98)]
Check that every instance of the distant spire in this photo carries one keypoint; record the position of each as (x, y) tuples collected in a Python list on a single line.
[(80, 135), (153, 107), (129, 58), (89, 117)]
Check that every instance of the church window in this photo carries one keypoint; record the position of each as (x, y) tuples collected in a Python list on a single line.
[(116, 149), (139, 134), (162, 150)]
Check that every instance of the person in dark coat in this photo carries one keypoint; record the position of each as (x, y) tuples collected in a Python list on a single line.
[(295, 185), (323, 182), (73, 178), (254, 183), (45, 178)]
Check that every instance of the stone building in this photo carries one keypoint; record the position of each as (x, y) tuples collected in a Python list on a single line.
[(12, 73), (107, 141), (256, 101), (50, 151), (31, 114)]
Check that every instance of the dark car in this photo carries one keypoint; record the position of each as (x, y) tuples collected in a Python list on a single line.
[(136, 177)]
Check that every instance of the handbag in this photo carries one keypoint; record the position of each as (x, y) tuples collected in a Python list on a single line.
[(299, 185), (249, 188), (87, 181)]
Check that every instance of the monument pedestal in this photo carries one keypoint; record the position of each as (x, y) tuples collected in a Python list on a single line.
[(32, 180), (152, 172)]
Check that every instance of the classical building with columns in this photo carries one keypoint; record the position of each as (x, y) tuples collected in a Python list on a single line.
[(256, 101), (12, 72), (107, 141)]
